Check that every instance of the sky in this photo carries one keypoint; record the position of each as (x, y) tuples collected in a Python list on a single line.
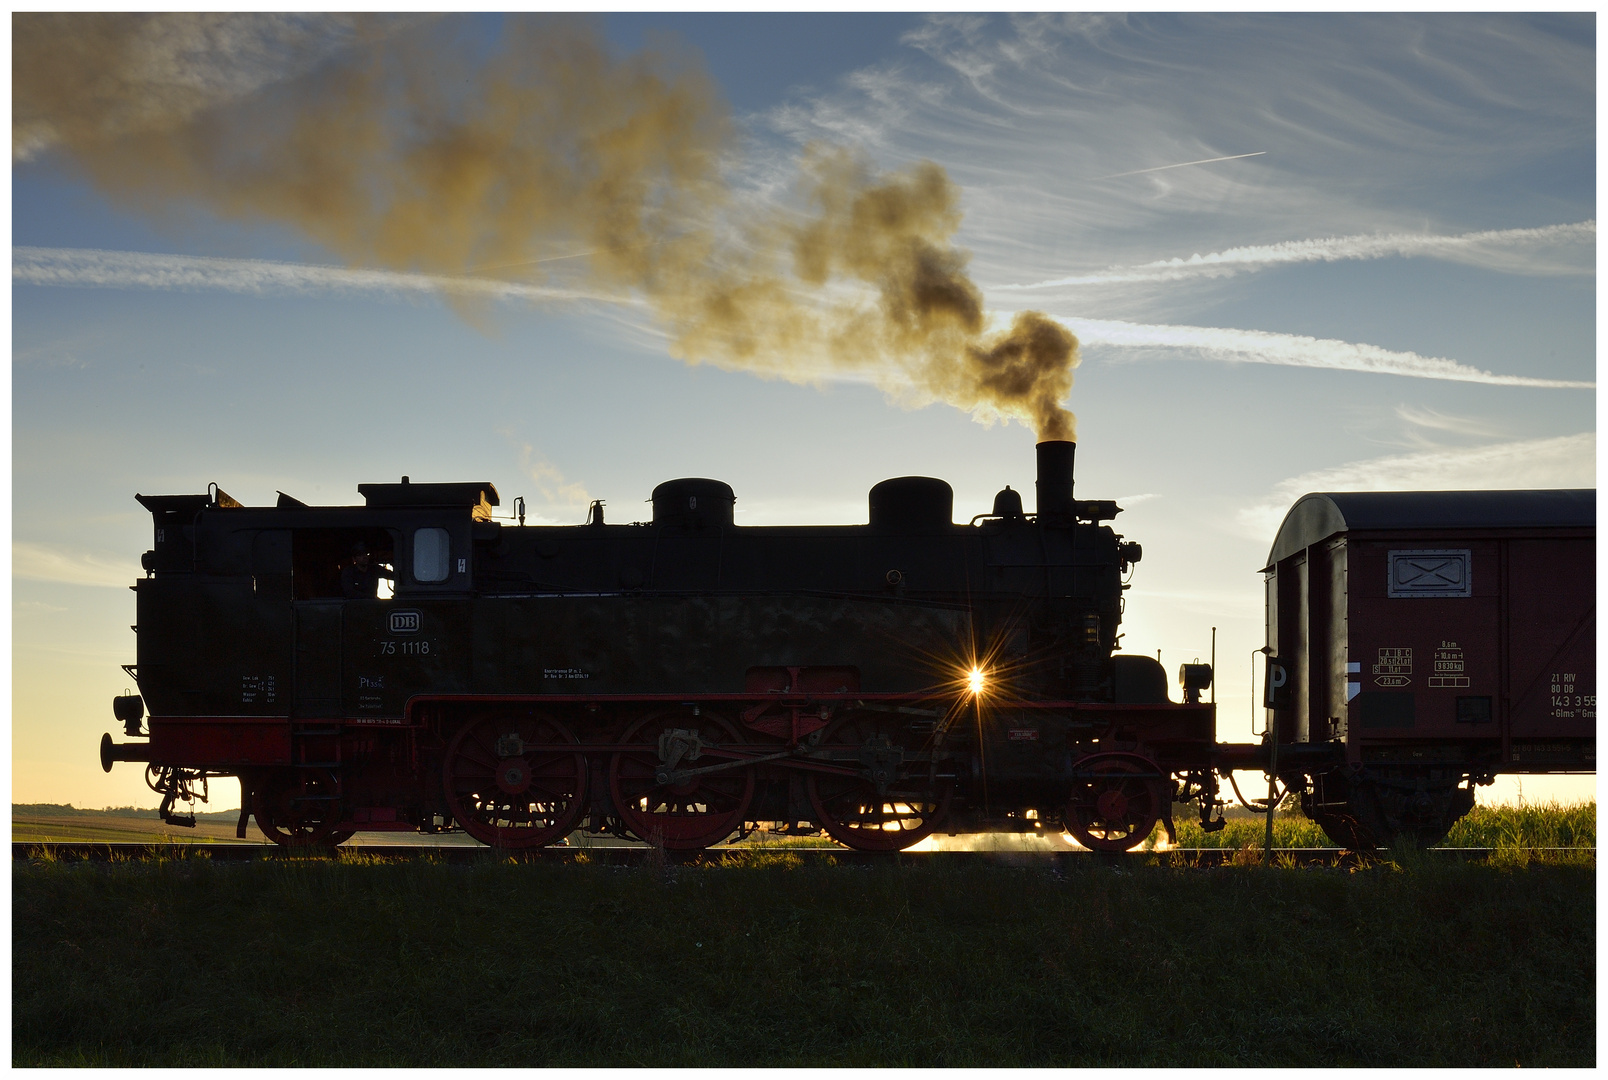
[(1297, 253)]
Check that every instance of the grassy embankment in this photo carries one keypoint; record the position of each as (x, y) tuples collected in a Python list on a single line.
[(773, 960)]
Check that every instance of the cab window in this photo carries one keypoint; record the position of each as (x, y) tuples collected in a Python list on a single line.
[(431, 548)]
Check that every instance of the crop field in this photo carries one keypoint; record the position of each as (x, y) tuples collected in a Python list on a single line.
[(767, 959), (124, 825), (1532, 825), (53, 823)]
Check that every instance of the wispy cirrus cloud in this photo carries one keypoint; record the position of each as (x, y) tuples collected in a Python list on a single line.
[(1564, 461), (1495, 249), (1294, 350), (43, 562), (1435, 420), (1364, 137), (563, 499)]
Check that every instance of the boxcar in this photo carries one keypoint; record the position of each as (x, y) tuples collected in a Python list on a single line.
[(1439, 638)]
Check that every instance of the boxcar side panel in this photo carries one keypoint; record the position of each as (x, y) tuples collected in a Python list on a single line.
[(1427, 657)]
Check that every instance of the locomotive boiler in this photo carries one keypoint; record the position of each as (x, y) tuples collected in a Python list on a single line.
[(682, 680)]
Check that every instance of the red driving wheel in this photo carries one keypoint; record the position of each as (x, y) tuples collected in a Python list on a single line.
[(300, 809), (1116, 801), (510, 784), (895, 801), (694, 811)]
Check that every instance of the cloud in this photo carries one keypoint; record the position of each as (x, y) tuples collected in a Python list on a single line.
[(1376, 125), (1490, 248), (1564, 461), (92, 268), (35, 607), (42, 562), (549, 480), (1294, 350), (1435, 420)]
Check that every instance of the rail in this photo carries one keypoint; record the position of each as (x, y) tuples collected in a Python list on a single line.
[(630, 855)]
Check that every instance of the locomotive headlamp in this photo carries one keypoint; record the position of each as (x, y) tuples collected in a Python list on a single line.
[(1194, 678), (976, 680), (130, 709)]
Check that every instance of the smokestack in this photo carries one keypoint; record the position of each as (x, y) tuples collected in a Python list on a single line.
[(1055, 480)]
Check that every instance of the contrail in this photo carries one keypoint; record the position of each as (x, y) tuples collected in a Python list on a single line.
[(1180, 165), (549, 259), (92, 268), (1295, 350), (1328, 249)]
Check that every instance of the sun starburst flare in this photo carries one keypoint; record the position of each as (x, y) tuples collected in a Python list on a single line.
[(976, 680)]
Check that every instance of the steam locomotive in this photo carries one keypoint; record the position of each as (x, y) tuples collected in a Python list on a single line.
[(685, 680)]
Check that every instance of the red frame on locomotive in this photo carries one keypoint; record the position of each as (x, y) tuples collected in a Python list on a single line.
[(1159, 743)]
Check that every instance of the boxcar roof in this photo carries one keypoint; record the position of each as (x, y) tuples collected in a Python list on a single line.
[(1323, 514)]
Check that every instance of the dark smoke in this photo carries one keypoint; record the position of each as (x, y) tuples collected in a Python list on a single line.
[(403, 144)]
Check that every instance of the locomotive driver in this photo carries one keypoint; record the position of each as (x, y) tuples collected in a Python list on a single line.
[(360, 577)]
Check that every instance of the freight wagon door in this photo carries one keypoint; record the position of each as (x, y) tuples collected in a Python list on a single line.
[(1551, 617), (318, 658)]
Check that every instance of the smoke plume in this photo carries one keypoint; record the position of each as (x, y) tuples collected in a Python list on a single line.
[(409, 145)]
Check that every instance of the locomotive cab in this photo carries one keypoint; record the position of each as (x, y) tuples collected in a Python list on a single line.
[(439, 523)]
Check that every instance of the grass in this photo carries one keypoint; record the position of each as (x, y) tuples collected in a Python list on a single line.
[(767, 959)]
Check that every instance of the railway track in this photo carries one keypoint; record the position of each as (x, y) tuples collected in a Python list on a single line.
[(632, 855)]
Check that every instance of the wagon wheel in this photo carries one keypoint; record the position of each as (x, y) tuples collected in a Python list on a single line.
[(300, 810), (1115, 801), (695, 812), (1345, 831), (1406, 806), (507, 792), (894, 803), (1329, 801)]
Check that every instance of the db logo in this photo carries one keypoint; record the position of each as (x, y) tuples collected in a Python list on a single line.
[(405, 622)]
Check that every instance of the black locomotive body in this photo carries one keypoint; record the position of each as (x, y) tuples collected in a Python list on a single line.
[(673, 680)]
